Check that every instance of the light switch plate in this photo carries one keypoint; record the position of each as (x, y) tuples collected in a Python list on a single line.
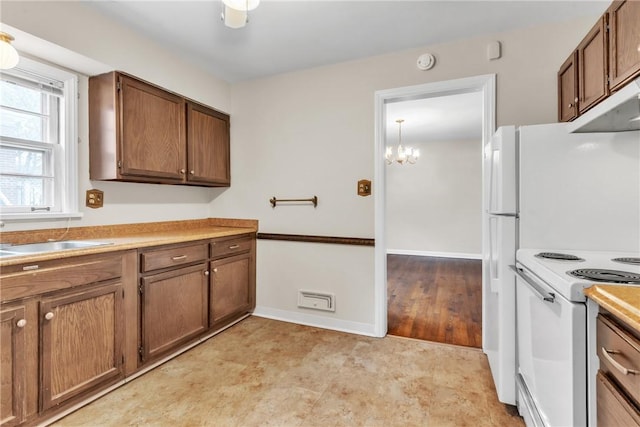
[(95, 199)]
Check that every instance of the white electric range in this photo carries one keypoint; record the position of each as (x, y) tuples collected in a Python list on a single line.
[(552, 334)]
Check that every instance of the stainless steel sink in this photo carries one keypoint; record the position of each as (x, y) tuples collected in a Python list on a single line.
[(35, 248)]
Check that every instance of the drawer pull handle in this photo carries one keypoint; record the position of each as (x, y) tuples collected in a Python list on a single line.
[(624, 371), (30, 267), (49, 315), (179, 258), (21, 323), (234, 246)]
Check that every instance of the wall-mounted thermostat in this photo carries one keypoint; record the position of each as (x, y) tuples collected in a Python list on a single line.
[(426, 61)]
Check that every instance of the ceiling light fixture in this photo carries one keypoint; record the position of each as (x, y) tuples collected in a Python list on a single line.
[(235, 13), (8, 54), (403, 154)]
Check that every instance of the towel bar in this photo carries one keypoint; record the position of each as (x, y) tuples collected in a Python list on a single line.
[(275, 201)]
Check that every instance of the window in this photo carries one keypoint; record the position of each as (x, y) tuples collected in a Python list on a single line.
[(38, 134)]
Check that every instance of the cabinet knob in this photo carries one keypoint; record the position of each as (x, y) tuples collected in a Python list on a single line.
[(206, 273), (182, 171), (49, 316), (215, 270), (21, 323), (570, 105), (192, 172)]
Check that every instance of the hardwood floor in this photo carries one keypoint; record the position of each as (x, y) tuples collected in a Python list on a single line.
[(435, 299)]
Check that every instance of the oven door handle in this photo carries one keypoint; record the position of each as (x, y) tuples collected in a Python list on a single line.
[(531, 284)]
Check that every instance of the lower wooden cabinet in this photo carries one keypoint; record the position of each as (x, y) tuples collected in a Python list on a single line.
[(81, 342), (230, 288), (174, 309), (12, 365), (618, 385), (70, 328), (61, 330), (614, 409)]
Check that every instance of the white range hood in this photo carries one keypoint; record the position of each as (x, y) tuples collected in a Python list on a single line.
[(618, 113)]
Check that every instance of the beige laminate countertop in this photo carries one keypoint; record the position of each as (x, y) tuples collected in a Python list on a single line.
[(623, 301), (132, 239)]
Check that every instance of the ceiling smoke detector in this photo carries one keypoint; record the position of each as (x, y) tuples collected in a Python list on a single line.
[(426, 61)]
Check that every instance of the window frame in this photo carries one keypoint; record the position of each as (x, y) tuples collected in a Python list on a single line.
[(65, 152)]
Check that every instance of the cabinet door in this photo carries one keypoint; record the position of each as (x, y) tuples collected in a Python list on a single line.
[(568, 89), (624, 41), (12, 365), (81, 342), (208, 146), (153, 137), (231, 288), (174, 309), (592, 66)]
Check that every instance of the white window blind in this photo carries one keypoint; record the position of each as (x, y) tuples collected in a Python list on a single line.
[(36, 150)]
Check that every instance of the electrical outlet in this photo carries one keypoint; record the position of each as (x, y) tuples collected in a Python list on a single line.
[(364, 187), (95, 199)]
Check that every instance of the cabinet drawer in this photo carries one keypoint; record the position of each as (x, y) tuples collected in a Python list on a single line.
[(619, 355), (226, 247), (39, 278), (172, 257), (614, 409)]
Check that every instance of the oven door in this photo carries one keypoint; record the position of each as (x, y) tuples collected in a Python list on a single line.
[(552, 369)]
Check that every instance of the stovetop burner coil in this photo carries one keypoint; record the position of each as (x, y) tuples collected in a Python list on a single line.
[(628, 260), (558, 256), (603, 275)]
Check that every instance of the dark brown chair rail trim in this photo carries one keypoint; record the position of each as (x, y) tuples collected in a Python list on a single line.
[(357, 241)]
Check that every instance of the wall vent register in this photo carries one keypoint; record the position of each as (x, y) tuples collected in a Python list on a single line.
[(316, 300)]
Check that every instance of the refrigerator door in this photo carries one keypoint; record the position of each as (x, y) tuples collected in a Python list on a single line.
[(498, 326), (501, 166), (499, 249)]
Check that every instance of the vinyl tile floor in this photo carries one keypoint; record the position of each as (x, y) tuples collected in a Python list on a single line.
[(264, 372)]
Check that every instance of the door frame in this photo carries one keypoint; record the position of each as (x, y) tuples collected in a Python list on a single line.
[(486, 84)]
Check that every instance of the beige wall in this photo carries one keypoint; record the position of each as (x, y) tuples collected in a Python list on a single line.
[(312, 133), (78, 29), (295, 135), (434, 207)]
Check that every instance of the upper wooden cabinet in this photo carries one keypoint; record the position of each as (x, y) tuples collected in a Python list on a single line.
[(568, 89), (142, 133), (592, 67), (207, 146), (624, 42), (605, 60)]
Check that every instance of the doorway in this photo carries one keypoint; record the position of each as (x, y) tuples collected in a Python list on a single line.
[(436, 262)]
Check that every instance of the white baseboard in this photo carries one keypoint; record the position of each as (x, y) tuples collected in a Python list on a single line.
[(315, 321), (434, 254)]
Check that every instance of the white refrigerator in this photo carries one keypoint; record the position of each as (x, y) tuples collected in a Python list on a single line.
[(548, 189), (499, 250)]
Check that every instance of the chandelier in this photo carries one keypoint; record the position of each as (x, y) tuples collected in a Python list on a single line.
[(403, 154), (235, 13)]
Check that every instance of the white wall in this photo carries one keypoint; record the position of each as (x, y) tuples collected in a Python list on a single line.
[(312, 133), (434, 207), (295, 135), (76, 32)]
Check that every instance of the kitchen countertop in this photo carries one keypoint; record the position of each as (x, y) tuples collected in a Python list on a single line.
[(133, 236), (623, 301)]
